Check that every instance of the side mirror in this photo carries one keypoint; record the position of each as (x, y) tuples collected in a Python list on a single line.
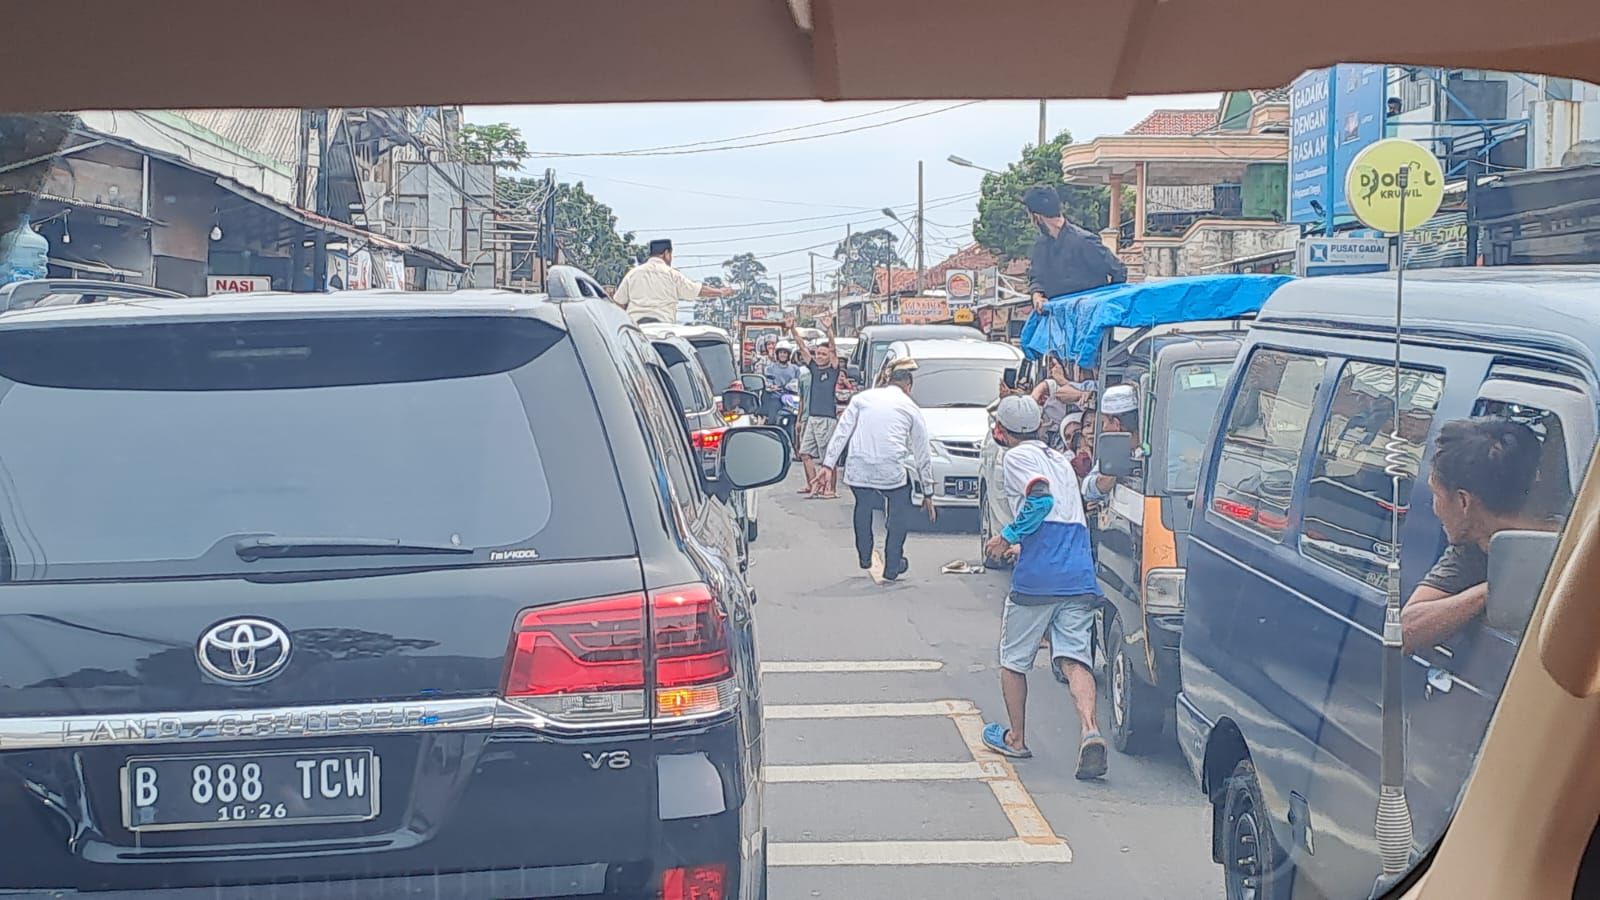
[(755, 384), (1113, 453), (741, 402), (752, 457), (1518, 563)]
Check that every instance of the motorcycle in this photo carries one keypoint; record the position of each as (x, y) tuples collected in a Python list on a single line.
[(788, 407)]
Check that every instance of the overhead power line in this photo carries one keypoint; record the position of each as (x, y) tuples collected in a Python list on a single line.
[(733, 239), (907, 207), (551, 154), (680, 190), (758, 134)]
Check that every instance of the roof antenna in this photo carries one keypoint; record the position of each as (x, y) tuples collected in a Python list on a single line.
[(1393, 827)]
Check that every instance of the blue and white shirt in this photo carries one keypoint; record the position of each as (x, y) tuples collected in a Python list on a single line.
[(1056, 560)]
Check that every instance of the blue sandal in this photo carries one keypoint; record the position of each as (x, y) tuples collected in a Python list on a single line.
[(994, 737)]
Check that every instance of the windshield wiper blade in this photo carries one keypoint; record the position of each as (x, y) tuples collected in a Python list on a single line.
[(308, 547), (961, 405)]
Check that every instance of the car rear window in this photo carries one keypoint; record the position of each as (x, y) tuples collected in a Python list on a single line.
[(716, 358), (155, 450)]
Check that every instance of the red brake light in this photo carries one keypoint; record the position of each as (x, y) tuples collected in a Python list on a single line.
[(584, 662), (691, 637), (1233, 509), (694, 882), (591, 645), (708, 439)]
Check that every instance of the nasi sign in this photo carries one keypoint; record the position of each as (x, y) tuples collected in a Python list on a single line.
[(1373, 185), (237, 284)]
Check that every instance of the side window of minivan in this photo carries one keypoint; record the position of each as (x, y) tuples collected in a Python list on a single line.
[(1350, 500), (1254, 476)]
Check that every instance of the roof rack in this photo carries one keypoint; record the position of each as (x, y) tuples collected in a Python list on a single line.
[(73, 291)]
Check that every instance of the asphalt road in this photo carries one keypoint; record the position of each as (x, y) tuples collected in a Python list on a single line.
[(874, 695)]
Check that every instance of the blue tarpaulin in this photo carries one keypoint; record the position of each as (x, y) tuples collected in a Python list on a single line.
[(1072, 325)]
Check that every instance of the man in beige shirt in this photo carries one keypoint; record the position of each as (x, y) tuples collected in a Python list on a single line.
[(651, 290)]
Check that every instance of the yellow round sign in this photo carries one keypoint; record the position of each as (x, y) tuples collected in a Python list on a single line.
[(1373, 185), (961, 316)]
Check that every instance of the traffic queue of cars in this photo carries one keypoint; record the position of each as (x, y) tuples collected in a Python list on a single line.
[(309, 594), (1245, 550)]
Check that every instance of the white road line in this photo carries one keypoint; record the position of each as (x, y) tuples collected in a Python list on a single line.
[(786, 666), (945, 771), (915, 853), (871, 710)]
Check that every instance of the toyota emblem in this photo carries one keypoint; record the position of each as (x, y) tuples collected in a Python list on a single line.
[(243, 651)]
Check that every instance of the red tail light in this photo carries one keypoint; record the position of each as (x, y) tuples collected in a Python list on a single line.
[(584, 662), (694, 882), (1233, 509), (694, 661), (708, 439)]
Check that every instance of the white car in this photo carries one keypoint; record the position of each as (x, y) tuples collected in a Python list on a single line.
[(955, 382)]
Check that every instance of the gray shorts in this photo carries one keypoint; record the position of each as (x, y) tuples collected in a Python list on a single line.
[(818, 432), (1069, 623)]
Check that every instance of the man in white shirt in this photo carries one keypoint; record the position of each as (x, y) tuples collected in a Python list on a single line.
[(651, 290), (886, 434)]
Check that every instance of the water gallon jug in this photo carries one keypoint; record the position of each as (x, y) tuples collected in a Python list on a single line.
[(23, 254)]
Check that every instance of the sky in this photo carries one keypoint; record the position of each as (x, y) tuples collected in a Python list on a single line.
[(798, 191)]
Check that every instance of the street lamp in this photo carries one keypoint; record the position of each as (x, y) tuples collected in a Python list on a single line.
[(967, 163)]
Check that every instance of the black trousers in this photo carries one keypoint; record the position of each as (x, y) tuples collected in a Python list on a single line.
[(897, 509)]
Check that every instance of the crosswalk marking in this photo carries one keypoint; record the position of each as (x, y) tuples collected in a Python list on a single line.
[(793, 666), (1035, 840), (871, 710), (945, 771), (915, 853)]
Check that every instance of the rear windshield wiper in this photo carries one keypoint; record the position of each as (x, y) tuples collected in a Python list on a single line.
[(306, 547)]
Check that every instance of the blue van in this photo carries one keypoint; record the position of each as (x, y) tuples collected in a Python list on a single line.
[(1280, 713)]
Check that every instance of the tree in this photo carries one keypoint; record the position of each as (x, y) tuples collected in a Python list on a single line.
[(861, 254), (748, 277), (1002, 225), (586, 232), (499, 145)]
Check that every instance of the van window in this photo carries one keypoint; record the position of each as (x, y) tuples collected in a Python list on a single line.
[(1262, 444), (1196, 393), (1351, 497), (716, 358), (1552, 495)]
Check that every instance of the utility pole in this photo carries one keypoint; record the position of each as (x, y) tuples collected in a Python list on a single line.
[(319, 249), (780, 293), (813, 258), (920, 270), (1041, 123), (844, 269)]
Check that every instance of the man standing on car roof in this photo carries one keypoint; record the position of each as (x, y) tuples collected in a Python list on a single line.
[(1065, 258), (888, 441), (651, 290), (1483, 472), (1053, 587), (822, 405)]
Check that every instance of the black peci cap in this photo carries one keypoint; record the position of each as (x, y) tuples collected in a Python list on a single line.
[(1043, 200), (660, 246)]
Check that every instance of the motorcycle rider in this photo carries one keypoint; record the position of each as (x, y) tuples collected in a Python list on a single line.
[(781, 375)]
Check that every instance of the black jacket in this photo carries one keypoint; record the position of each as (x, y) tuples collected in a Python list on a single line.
[(1073, 260)]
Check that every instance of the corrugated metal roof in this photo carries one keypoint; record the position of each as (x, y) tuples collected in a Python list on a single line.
[(1271, 95), (274, 133)]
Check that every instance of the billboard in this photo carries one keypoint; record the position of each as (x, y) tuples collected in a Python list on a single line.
[(1333, 115), (917, 310), (959, 287)]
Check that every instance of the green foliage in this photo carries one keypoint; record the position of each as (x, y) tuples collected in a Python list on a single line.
[(500, 145), (586, 231), (861, 254), (1002, 225), (748, 277)]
